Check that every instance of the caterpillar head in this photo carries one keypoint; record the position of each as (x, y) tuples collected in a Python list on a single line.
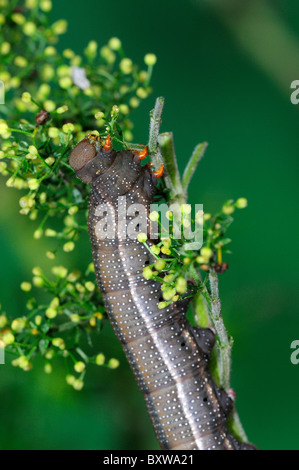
[(113, 173), (89, 158)]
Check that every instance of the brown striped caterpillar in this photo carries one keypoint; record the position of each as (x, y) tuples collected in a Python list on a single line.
[(168, 356)]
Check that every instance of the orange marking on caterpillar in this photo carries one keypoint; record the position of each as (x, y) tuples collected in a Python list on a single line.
[(159, 172), (108, 143), (143, 153)]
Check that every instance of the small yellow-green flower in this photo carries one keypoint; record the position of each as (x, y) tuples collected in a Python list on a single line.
[(37, 271), (126, 66), (70, 379), (165, 251), (50, 50), (65, 82), (150, 59), (59, 27), (33, 184), (134, 102), (21, 61), (5, 48), (38, 234), (90, 286), (26, 286), (38, 281), (31, 3), (49, 106), (55, 302), (51, 312), (228, 209), (162, 305), (206, 216), (181, 285), (59, 343), (53, 132), (46, 5), (69, 127), (156, 250), (159, 264), (62, 109), (154, 216), (142, 237), (8, 338), (91, 49), (3, 127), (142, 93), (78, 384), (124, 109), (32, 153), (48, 73), (50, 255), (23, 363), (114, 44), (80, 288), (50, 354), (241, 203), (3, 166), (107, 54), (75, 318), (79, 366), (69, 246), (166, 242), (99, 115), (73, 210), (206, 252), (100, 359), (29, 28), (59, 271), (169, 293), (3, 321), (18, 18), (18, 324), (147, 273), (68, 53), (63, 71), (38, 320), (15, 82), (113, 363)]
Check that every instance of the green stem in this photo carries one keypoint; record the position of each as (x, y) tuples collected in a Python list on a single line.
[(224, 342)]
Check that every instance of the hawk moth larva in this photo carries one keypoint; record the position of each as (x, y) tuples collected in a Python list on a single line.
[(168, 356)]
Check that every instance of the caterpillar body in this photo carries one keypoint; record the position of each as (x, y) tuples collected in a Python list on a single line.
[(168, 356)]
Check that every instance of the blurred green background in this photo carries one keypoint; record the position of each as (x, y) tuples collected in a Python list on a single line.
[(225, 70)]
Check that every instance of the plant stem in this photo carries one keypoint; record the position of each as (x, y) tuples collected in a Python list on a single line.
[(224, 342), (206, 305)]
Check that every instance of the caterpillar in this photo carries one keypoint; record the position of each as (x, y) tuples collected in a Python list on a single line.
[(168, 356)]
